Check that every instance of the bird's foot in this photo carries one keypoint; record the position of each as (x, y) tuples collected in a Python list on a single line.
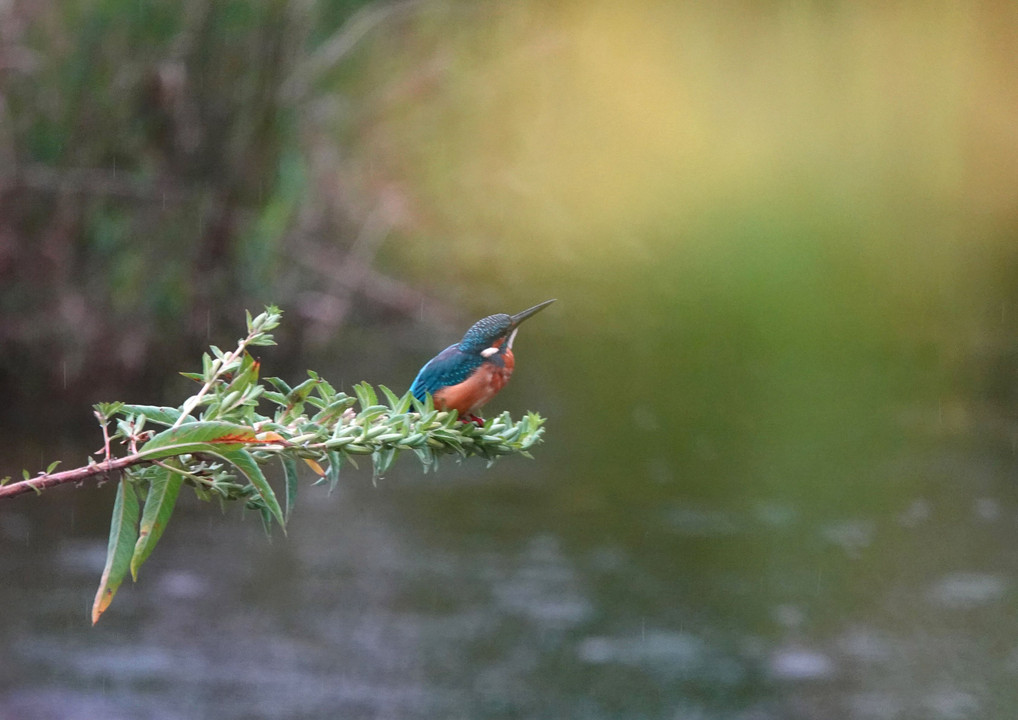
[(470, 417)]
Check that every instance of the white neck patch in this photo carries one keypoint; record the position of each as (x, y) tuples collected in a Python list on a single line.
[(488, 352)]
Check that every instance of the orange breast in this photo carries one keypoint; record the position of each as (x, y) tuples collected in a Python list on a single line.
[(474, 392)]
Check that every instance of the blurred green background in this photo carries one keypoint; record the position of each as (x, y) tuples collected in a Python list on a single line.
[(780, 378)]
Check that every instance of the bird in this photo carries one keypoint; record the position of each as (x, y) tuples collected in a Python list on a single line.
[(465, 376)]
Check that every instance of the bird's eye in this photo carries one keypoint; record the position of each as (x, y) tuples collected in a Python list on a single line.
[(488, 352)]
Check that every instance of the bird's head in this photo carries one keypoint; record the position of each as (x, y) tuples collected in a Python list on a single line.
[(490, 335)]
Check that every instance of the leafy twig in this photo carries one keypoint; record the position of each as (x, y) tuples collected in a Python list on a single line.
[(217, 443)]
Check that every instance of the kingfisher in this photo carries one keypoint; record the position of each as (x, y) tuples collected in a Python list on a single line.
[(465, 376)]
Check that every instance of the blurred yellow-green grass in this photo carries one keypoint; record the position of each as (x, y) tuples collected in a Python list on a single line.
[(783, 227)]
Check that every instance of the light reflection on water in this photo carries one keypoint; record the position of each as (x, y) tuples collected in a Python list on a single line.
[(484, 598)]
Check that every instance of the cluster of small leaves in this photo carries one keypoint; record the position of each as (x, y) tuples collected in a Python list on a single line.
[(217, 442)]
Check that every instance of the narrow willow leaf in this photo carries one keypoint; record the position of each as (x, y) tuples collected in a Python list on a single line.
[(427, 457), (404, 403), (393, 400), (366, 395), (207, 436), (229, 400), (332, 475), (371, 413), (280, 384), (275, 397), (123, 535), (263, 339), (108, 410), (290, 473), (313, 464), (247, 374), (426, 406), (124, 429), (159, 503), (247, 465), (155, 413), (382, 460), (325, 389), (266, 520), (299, 394)]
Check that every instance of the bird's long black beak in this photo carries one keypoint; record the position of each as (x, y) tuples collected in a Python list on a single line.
[(521, 316)]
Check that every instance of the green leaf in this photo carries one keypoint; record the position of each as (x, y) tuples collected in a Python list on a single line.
[(299, 393), (424, 407), (263, 339), (290, 473), (382, 460), (334, 409), (159, 503), (246, 375), (332, 474), (107, 410), (123, 535), (124, 429), (324, 388), (279, 384), (398, 404), (242, 460), (427, 457), (155, 413), (207, 436), (371, 413), (266, 520), (390, 397), (366, 395), (275, 397)]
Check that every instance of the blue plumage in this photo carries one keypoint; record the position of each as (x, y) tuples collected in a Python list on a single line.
[(457, 362), (482, 332), (450, 367)]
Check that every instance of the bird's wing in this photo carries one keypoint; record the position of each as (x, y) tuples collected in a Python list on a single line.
[(449, 367)]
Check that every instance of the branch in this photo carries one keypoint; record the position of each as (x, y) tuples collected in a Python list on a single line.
[(47, 480), (217, 442)]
